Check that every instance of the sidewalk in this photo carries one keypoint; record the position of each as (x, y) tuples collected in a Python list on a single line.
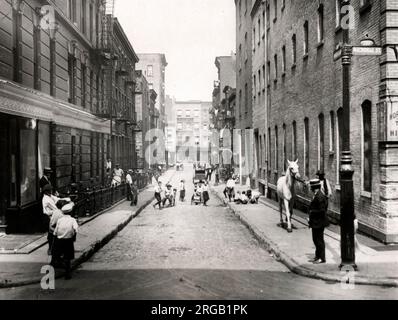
[(376, 267), (23, 269)]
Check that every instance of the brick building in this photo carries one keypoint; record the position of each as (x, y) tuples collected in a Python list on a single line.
[(259, 97), (153, 66), (53, 101), (305, 99), (244, 88)]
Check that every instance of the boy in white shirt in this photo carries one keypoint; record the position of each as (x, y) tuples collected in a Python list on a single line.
[(65, 233)]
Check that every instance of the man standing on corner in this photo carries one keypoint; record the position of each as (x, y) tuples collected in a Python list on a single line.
[(318, 220)]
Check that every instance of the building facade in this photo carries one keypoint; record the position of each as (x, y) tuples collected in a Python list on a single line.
[(51, 94), (259, 96), (153, 66), (192, 130), (305, 103), (170, 134)]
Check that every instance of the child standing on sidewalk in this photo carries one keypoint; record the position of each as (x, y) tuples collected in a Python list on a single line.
[(182, 191), (65, 233)]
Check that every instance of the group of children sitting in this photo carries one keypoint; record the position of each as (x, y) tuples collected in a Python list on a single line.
[(247, 197), (201, 193)]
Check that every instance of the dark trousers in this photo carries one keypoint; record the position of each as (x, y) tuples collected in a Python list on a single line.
[(182, 195), (319, 242), (134, 198), (158, 198), (129, 193), (217, 179)]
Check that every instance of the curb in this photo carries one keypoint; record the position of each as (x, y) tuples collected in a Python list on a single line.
[(87, 253), (295, 267)]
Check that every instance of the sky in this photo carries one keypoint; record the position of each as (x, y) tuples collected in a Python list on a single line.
[(191, 33)]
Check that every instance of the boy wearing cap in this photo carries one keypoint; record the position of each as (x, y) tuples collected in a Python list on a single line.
[(318, 220), (65, 233)]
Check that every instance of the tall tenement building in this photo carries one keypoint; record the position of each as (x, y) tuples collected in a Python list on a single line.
[(66, 69), (305, 102), (153, 66), (244, 109)]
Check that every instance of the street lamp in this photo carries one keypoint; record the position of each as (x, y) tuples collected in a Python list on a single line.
[(347, 216)]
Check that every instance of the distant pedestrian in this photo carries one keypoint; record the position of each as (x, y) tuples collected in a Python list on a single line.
[(205, 192), (129, 183), (182, 190), (217, 175), (134, 194), (158, 195), (168, 195), (118, 174), (243, 198), (318, 220), (65, 233), (255, 196), (229, 191)]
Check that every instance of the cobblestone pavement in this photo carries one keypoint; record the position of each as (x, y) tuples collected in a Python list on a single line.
[(189, 252)]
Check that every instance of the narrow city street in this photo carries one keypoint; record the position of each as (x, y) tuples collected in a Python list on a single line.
[(189, 252)]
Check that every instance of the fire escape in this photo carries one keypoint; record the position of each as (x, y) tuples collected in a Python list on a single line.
[(113, 66)]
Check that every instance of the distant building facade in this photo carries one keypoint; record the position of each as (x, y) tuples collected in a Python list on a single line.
[(192, 119)]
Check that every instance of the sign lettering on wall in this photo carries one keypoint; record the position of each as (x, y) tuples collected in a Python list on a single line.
[(392, 121)]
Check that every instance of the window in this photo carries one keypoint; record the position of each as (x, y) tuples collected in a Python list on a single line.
[(84, 84), (246, 97), (72, 78), (149, 71), (306, 147), (259, 31), (254, 39), (276, 159), (269, 149), (320, 24), (83, 16), (179, 126), (294, 49), (283, 60), (268, 73), (28, 175), (332, 130), (246, 48), (306, 38), (339, 141), (321, 142), (367, 146), (37, 57), (91, 31), (254, 86), (187, 113), (259, 82), (17, 46), (264, 78), (276, 67), (338, 13), (72, 10), (150, 86), (294, 141), (284, 148)]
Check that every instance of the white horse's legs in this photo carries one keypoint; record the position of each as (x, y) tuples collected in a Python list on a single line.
[(289, 222), (281, 210)]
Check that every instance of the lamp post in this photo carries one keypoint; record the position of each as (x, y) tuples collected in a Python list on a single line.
[(347, 215), (347, 243)]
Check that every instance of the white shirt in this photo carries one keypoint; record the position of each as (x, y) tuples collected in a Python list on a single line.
[(158, 189), (205, 188), (244, 197), (49, 204), (168, 192), (231, 183), (256, 194), (54, 219), (129, 179), (182, 186), (66, 228)]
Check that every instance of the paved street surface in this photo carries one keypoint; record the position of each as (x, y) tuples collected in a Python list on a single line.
[(189, 252)]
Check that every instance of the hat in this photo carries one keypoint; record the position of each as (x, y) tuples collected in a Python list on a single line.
[(315, 183), (47, 188), (68, 208), (47, 170), (320, 173)]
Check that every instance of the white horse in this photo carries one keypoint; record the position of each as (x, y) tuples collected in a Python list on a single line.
[(286, 192)]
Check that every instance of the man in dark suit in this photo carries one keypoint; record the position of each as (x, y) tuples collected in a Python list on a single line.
[(318, 220)]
